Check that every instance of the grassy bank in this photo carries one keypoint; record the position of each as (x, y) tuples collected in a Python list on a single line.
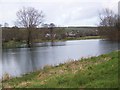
[(84, 38), (17, 44), (12, 44), (93, 72)]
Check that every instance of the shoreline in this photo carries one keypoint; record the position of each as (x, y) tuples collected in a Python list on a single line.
[(15, 44), (69, 70)]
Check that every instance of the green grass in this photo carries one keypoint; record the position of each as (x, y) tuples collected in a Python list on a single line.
[(93, 72), (83, 38), (12, 44)]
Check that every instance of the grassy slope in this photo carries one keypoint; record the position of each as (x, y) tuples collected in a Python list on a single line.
[(94, 72)]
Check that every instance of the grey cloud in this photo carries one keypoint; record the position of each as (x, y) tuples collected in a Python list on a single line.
[(61, 13)]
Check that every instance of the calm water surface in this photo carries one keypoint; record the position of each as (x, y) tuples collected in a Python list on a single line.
[(23, 60)]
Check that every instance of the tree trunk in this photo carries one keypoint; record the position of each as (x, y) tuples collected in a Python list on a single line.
[(52, 38), (29, 38)]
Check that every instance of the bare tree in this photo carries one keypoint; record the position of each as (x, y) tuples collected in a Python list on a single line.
[(51, 26), (107, 18), (29, 18), (45, 25), (6, 24), (108, 24)]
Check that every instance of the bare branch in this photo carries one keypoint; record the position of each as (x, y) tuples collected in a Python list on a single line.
[(29, 17)]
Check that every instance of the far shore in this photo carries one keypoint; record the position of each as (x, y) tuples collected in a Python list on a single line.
[(20, 44)]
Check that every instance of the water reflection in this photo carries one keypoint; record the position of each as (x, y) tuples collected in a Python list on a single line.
[(23, 60), (107, 46)]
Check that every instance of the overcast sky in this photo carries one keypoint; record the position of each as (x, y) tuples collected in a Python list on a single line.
[(60, 12)]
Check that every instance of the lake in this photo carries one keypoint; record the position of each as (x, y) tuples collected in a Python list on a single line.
[(20, 61)]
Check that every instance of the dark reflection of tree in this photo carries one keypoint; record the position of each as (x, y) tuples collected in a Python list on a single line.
[(24, 60), (32, 58), (110, 45)]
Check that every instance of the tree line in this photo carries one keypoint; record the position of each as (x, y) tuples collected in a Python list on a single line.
[(21, 34)]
